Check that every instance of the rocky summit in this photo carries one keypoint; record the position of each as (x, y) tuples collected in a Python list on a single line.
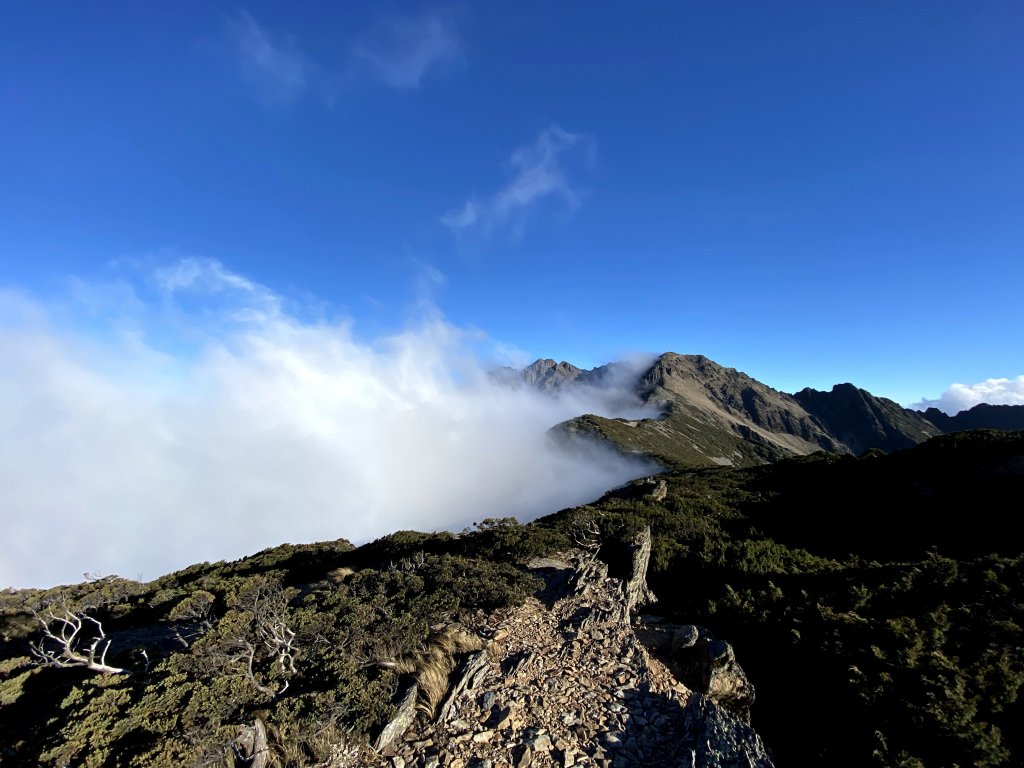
[(548, 375)]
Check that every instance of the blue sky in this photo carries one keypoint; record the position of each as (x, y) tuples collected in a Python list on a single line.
[(810, 192), (255, 260)]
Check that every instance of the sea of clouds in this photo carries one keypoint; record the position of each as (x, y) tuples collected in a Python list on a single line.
[(188, 413)]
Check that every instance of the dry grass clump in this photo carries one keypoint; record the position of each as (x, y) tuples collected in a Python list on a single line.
[(435, 662), (340, 575)]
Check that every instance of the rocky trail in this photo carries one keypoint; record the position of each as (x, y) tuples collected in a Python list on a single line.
[(565, 680)]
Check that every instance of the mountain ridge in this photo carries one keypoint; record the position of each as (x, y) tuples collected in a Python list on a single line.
[(863, 421), (711, 415), (981, 416)]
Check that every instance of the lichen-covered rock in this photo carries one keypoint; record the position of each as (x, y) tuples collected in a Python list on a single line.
[(635, 589), (405, 712), (708, 665), (715, 738)]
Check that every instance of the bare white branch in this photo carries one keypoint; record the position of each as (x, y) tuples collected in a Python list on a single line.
[(585, 532), (65, 644), (268, 642)]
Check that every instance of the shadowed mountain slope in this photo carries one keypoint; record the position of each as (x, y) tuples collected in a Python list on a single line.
[(981, 416), (861, 421)]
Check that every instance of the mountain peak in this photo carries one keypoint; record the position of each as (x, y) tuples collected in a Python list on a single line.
[(546, 374)]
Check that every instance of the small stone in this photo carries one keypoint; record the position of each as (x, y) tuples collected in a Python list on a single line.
[(540, 743), (431, 762), (488, 700), (504, 719), (397, 762), (685, 637), (521, 756), (482, 736)]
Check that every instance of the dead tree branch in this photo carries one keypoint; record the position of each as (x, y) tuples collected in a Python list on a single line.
[(585, 532), (263, 645), (72, 639)]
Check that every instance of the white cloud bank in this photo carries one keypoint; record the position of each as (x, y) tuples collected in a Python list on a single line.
[(962, 397), (540, 173), (208, 422)]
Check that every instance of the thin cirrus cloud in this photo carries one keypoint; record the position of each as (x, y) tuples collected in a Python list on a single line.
[(962, 397), (403, 50), (194, 414), (540, 174), (273, 66)]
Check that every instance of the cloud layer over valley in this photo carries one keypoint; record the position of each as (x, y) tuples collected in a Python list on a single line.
[(198, 418)]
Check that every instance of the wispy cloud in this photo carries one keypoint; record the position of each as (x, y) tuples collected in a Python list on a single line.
[(961, 397), (276, 69), (250, 301), (403, 50), (224, 410), (539, 174)]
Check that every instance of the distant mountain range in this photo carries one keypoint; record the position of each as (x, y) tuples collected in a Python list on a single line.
[(716, 416)]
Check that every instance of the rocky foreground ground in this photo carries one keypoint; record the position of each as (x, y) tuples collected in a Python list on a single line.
[(572, 678)]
